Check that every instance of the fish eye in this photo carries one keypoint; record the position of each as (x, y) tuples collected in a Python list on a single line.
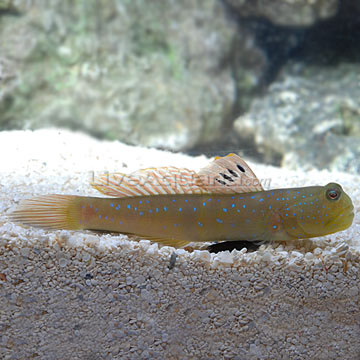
[(333, 194)]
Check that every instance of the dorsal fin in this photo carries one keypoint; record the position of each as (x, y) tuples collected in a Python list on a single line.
[(151, 181), (229, 174)]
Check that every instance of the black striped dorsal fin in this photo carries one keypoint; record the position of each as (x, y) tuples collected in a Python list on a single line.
[(229, 174)]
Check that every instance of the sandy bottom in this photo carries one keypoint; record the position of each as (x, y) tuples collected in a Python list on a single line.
[(83, 295)]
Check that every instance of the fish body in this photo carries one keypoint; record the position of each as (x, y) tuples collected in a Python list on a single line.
[(179, 218)]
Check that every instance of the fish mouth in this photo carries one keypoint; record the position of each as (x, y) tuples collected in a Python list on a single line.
[(342, 221), (347, 217)]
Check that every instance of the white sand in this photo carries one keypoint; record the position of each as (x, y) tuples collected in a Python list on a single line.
[(82, 295)]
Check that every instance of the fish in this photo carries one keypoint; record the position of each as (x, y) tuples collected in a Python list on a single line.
[(224, 201)]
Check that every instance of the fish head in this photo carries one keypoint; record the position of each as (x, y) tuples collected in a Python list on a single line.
[(322, 210), (339, 208)]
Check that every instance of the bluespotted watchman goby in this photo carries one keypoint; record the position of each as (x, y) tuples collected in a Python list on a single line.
[(223, 201)]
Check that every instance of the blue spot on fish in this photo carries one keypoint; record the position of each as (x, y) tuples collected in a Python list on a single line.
[(260, 200), (150, 211), (274, 226), (224, 209), (244, 206), (112, 205), (233, 205), (180, 209), (186, 200), (194, 209), (117, 208), (200, 224), (219, 220), (204, 203), (135, 208), (165, 208), (99, 216), (129, 206), (106, 217), (147, 201), (141, 213), (140, 201), (252, 197), (173, 200), (270, 207), (157, 210)]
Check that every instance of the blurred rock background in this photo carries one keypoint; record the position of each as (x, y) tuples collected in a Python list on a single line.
[(276, 80)]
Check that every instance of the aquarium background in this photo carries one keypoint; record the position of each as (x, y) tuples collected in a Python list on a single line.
[(276, 81)]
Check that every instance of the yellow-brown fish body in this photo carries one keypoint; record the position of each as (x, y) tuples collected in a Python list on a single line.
[(177, 219), (281, 214)]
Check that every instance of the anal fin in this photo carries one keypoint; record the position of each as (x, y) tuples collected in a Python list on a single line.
[(167, 242)]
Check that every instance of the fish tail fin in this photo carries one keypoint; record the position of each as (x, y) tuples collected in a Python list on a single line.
[(50, 212)]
